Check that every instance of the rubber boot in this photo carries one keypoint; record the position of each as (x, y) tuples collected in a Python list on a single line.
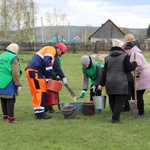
[(12, 120), (5, 117), (43, 116)]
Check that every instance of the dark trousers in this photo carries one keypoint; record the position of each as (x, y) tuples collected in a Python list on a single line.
[(8, 106), (96, 93), (140, 101), (116, 103)]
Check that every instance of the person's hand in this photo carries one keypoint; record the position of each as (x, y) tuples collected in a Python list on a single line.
[(93, 89), (64, 80), (58, 78), (82, 95), (19, 89), (47, 80)]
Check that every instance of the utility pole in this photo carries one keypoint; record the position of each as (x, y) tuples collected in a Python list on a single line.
[(43, 41), (68, 32), (85, 35)]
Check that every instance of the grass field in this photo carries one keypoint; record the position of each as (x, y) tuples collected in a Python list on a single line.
[(83, 133)]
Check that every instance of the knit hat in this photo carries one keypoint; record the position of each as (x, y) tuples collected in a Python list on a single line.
[(129, 45), (129, 38), (85, 60), (13, 47), (116, 42)]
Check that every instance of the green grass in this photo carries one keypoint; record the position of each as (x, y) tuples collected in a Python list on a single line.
[(83, 133)]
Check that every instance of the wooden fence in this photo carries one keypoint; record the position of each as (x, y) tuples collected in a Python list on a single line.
[(71, 47)]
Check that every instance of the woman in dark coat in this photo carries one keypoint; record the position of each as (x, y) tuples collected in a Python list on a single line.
[(114, 78)]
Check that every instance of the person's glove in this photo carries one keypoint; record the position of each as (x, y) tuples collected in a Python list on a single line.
[(93, 89), (82, 95), (19, 89), (58, 78), (47, 80), (64, 80)]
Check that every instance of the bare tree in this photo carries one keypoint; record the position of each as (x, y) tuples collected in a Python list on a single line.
[(55, 19), (19, 20), (141, 37), (6, 17), (126, 30)]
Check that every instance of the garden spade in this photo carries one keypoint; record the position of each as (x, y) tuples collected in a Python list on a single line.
[(71, 92)]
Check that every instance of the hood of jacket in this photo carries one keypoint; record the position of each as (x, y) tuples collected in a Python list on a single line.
[(134, 49), (115, 51)]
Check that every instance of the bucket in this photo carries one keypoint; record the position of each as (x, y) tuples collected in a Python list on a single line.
[(97, 111), (65, 104), (88, 108), (99, 102), (69, 112), (132, 106), (54, 86), (78, 107), (51, 99)]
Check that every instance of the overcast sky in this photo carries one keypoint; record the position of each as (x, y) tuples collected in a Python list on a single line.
[(124, 13)]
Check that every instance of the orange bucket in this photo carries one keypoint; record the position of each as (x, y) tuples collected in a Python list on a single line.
[(54, 86), (51, 99)]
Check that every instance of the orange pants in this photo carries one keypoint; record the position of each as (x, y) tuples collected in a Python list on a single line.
[(37, 84)]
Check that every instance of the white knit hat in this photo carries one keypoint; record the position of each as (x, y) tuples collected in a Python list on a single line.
[(13, 47), (85, 60), (116, 42)]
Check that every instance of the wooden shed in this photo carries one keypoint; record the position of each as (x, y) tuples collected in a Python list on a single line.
[(106, 33)]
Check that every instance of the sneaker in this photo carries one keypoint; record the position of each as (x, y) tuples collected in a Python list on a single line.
[(44, 116), (141, 116), (115, 121)]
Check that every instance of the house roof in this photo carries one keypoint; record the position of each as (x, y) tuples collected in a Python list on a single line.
[(56, 39), (108, 30), (76, 39)]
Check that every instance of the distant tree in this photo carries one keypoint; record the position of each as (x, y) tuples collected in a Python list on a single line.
[(141, 37), (5, 17), (148, 31), (85, 32), (17, 19), (56, 18), (126, 30)]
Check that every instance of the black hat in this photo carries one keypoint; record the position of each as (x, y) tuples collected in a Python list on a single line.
[(129, 45)]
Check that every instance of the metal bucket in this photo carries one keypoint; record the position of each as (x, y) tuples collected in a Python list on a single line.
[(69, 112), (99, 102), (66, 104)]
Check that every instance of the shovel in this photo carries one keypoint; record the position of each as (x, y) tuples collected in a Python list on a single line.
[(71, 92), (135, 93)]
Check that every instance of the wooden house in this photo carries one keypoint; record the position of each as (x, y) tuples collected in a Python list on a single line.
[(106, 33)]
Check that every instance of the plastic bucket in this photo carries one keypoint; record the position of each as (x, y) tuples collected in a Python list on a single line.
[(97, 111), (99, 102), (132, 106), (51, 99), (69, 112), (88, 108), (54, 86), (78, 107)]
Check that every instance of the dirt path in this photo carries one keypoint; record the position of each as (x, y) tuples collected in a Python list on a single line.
[(100, 56)]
